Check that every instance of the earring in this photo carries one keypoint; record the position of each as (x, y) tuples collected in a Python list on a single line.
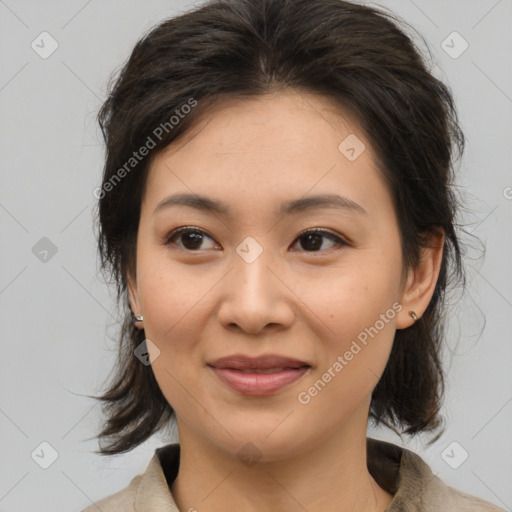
[(413, 314), (137, 318)]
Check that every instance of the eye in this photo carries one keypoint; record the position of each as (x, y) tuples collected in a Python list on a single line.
[(190, 237), (312, 239)]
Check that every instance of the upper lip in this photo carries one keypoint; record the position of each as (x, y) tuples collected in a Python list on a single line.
[(265, 362)]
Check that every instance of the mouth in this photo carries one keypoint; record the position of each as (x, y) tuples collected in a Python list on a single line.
[(259, 376), (264, 372), (268, 362)]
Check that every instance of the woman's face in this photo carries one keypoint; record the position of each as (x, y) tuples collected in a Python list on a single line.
[(247, 281)]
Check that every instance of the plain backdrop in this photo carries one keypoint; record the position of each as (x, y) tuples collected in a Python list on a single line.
[(58, 318)]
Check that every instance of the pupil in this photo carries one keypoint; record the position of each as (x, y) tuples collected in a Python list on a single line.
[(310, 241), (309, 238), (196, 242)]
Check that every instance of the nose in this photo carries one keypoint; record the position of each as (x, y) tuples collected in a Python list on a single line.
[(255, 297)]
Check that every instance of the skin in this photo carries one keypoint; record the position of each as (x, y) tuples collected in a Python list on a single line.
[(199, 305)]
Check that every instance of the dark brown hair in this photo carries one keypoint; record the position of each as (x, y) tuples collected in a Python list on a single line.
[(358, 56)]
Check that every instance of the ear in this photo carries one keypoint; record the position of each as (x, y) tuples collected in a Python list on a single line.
[(133, 295), (421, 281)]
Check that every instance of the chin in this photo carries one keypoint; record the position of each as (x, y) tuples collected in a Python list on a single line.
[(260, 443)]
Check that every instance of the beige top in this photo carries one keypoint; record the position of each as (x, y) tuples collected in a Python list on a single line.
[(399, 471)]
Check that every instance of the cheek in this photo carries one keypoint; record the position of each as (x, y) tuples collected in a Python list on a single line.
[(172, 317), (353, 310), (169, 292), (348, 299)]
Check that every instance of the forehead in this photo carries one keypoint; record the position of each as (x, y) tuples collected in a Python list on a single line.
[(283, 145), (271, 121)]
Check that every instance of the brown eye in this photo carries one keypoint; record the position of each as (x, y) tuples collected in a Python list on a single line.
[(312, 240), (190, 238)]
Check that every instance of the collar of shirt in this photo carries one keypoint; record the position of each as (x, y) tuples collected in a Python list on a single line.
[(399, 471)]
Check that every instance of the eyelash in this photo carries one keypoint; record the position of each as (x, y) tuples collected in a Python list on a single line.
[(323, 232)]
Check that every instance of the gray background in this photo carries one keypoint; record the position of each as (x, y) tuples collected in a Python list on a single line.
[(58, 316)]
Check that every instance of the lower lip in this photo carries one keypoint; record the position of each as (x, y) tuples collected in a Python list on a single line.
[(259, 383)]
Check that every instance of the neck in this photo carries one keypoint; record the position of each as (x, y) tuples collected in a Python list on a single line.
[(328, 475)]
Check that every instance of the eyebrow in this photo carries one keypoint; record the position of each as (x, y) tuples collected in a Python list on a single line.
[(300, 205)]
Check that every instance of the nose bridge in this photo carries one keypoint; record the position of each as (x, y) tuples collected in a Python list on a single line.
[(254, 295), (251, 270)]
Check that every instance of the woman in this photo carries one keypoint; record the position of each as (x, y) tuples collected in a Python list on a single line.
[(278, 214)]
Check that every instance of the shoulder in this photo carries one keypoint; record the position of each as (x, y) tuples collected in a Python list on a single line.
[(458, 500), (148, 491), (431, 493), (121, 501), (414, 487)]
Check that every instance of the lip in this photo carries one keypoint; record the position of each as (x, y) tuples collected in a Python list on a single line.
[(264, 362), (234, 371)]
